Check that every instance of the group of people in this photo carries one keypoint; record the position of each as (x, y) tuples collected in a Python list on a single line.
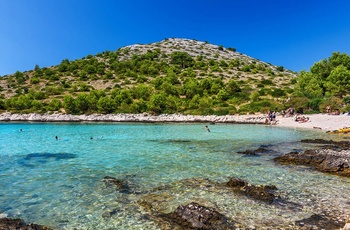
[(288, 113), (329, 111), (271, 118), (300, 119)]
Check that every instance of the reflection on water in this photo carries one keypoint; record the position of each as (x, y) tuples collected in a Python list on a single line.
[(60, 183)]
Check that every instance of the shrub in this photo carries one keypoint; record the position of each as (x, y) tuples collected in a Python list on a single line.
[(266, 82), (346, 100), (34, 80), (314, 104), (280, 68), (278, 93)]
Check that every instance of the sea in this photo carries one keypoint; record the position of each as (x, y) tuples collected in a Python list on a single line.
[(59, 182)]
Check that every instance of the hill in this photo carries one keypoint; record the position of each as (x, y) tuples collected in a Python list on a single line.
[(170, 76)]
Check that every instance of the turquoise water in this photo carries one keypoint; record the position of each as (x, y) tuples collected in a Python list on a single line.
[(58, 183)]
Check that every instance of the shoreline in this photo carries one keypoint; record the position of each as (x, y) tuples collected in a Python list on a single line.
[(323, 122)]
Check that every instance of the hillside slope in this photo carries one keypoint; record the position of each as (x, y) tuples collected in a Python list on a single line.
[(173, 75)]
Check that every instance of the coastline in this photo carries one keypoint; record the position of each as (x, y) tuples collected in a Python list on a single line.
[(323, 122)]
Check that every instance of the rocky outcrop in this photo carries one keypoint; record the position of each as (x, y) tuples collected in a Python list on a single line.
[(324, 160), (58, 117), (196, 216), (329, 143), (264, 193), (18, 224)]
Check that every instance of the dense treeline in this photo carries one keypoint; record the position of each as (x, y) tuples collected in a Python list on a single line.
[(327, 83), (157, 82)]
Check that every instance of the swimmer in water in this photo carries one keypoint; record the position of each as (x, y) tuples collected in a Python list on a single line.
[(207, 128)]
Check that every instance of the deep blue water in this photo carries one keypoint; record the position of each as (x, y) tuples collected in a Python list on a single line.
[(58, 183)]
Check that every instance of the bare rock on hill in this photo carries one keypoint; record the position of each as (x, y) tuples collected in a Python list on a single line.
[(324, 160), (18, 224)]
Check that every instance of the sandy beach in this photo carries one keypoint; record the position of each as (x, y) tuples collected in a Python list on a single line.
[(317, 121)]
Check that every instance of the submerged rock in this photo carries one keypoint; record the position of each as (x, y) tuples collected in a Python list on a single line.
[(324, 160), (121, 185), (317, 221), (257, 152), (8, 223), (158, 203), (196, 216), (260, 192)]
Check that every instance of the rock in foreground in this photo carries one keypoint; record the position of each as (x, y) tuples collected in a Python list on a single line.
[(18, 224), (196, 216)]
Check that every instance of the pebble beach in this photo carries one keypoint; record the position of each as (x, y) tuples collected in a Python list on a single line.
[(323, 122)]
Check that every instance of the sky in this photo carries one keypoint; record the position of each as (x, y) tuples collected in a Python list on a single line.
[(290, 33)]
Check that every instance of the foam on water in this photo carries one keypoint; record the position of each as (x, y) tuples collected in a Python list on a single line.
[(58, 183)]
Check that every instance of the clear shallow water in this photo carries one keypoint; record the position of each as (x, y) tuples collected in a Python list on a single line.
[(59, 183)]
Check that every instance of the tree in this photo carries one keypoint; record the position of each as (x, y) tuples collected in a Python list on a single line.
[(34, 80), (2, 104), (182, 59), (232, 87), (139, 106), (36, 68), (124, 96), (206, 84), (19, 77), (106, 105), (157, 103), (308, 85), (205, 105), (142, 91), (81, 103), (169, 89), (338, 82), (191, 88), (280, 68), (255, 96), (69, 105), (222, 95), (64, 66), (54, 105)]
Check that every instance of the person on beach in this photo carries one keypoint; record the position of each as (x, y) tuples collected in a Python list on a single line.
[(207, 128), (283, 113)]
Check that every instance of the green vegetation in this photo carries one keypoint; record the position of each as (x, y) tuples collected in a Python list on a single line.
[(169, 77), (328, 83)]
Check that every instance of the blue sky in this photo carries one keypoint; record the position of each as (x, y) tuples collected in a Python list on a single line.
[(290, 33)]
